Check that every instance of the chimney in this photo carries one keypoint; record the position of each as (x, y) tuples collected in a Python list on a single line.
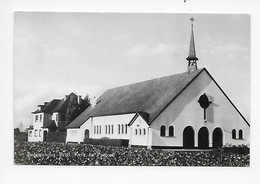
[(93, 101), (79, 99)]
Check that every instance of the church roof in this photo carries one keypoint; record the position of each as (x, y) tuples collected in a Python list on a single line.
[(149, 97), (48, 107)]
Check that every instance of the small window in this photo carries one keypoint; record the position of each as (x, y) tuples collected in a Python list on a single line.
[(36, 117), (122, 128), (162, 131), (94, 129), (171, 131), (240, 134), (100, 129), (41, 117), (135, 131), (140, 131), (144, 131), (234, 134), (40, 131), (30, 133), (112, 129), (125, 128), (35, 133), (118, 129), (106, 129)]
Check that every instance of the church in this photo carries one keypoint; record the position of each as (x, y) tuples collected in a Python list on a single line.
[(185, 110)]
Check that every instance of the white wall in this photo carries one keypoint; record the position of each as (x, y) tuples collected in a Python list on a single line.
[(102, 121), (185, 111), (139, 132), (37, 132)]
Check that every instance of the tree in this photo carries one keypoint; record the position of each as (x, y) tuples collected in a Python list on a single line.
[(85, 103)]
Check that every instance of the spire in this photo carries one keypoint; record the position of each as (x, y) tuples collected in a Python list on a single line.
[(192, 59)]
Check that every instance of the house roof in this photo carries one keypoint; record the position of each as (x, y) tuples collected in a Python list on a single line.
[(49, 124), (148, 98), (63, 104), (48, 107)]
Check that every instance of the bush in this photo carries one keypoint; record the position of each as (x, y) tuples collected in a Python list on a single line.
[(240, 149), (56, 137), (107, 142)]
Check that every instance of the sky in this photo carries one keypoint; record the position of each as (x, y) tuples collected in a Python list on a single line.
[(86, 53)]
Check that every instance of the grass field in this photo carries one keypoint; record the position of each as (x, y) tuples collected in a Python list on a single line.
[(50, 153)]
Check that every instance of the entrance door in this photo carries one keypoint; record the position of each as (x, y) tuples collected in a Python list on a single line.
[(86, 134), (203, 138), (217, 138), (44, 135), (188, 137)]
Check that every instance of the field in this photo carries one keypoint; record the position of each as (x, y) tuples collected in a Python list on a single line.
[(50, 153)]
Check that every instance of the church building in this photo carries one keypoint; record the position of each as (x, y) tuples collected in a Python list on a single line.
[(185, 110)]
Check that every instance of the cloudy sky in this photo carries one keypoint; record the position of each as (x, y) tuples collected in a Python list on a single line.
[(87, 53)]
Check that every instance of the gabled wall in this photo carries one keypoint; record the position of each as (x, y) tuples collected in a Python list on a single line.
[(185, 111)]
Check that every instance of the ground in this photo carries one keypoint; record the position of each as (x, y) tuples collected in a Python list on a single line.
[(50, 153)]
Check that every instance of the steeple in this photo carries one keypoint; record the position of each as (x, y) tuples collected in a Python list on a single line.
[(192, 59)]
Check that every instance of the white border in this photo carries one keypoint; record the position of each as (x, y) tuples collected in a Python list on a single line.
[(52, 174)]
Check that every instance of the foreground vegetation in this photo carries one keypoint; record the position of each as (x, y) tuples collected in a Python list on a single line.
[(50, 153)]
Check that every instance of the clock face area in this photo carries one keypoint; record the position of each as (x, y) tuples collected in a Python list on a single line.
[(204, 101)]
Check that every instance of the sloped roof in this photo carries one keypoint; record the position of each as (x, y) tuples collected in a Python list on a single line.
[(150, 97), (49, 124), (63, 104), (48, 107)]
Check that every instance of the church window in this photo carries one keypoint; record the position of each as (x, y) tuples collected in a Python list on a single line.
[(144, 131), (233, 134), (94, 129), (108, 129), (135, 131), (240, 134), (35, 133), (112, 129), (171, 131), (162, 132), (140, 131), (118, 129), (125, 128), (122, 128), (100, 129)]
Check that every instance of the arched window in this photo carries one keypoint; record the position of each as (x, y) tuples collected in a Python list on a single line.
[(162, 131), (140, 131), (240, 134), (108, 129), (118, 129), (135, 131), (35, 133), (144, 131), (112, 129), (100, 129), (122, 128), (125, 128), (171, 131), (234, 134)]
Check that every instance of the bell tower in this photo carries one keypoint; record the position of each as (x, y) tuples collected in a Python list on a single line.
[(192, 59)]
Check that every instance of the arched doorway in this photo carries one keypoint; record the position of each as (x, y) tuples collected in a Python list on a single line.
[(188, 137), (86, 134), (217, 138), (44, 135), (203, 138)]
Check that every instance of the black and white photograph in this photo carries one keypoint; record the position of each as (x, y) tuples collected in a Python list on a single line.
[(132, 89)]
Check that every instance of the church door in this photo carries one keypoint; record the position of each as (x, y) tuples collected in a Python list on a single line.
[(188, 137), (203, 138), (217, 138), (86, 134), (44, 135)]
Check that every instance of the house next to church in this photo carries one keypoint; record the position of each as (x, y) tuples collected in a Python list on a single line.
[(50, 117), (185, 110)]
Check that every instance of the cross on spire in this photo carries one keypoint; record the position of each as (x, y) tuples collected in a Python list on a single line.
[(192, 59)]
